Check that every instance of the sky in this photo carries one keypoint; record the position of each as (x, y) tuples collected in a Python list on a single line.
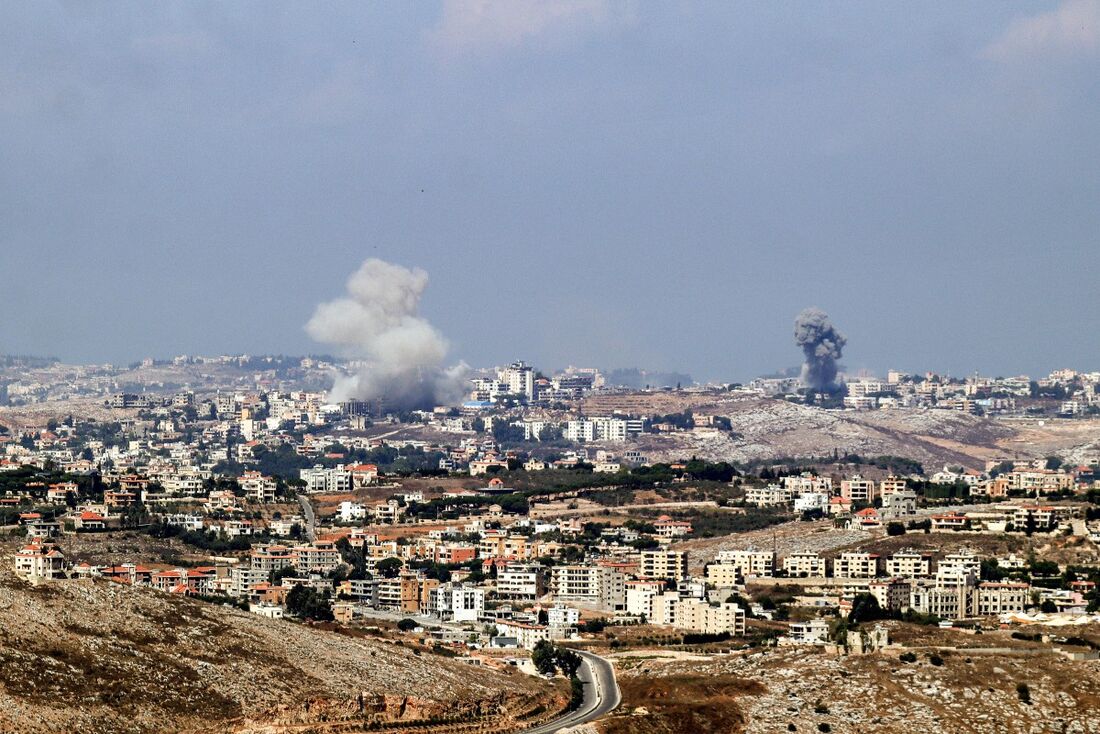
[(663, 185)]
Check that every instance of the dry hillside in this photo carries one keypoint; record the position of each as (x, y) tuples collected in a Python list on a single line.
[(103, 657)]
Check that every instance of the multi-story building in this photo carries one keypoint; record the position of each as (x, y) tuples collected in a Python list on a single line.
[(599, 586), (320, 557), (519, 581), (663, 565), (858, 489), (456, 602), (750, 562), (1002, 598), (257, 487), (805, 564), (699, 615), (856, 565), (892, 594), (771, 495), (910, 564)]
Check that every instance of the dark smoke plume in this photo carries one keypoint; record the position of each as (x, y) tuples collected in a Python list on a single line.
[(822, 345)]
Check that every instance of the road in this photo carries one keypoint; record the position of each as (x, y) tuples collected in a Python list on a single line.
[(601, 696), (307, 513)]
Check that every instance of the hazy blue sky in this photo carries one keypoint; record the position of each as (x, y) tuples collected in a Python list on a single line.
[(609, 183)]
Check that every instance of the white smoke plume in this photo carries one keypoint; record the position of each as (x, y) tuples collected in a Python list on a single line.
[(378, 323)]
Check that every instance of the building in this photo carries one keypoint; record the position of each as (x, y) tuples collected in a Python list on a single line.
[(598, 586), (1002, 598), (856, 565), (805, 564), (892, 594), (519, 379), (858, 489), (40, 560), (698, 615), (639, 597), (663, 565), (747, 562), (525, 635), (910, 564), (771, 495), (456, 603), (257, 487)]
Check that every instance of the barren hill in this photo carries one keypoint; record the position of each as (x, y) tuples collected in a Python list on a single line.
[(767, 429), (103, 657)]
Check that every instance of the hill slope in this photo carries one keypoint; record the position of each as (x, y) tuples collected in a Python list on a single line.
[(83, 656)]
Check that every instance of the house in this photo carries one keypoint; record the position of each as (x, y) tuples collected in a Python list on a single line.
[(952, 521), (668, 528), (40, 560), (257, 487), (814, 632), (90, 521)]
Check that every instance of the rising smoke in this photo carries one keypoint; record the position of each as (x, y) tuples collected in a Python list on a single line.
[(822, 345), (377, 322)]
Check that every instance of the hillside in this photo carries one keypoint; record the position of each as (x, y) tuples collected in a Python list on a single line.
[(767, 429), (102, 657)]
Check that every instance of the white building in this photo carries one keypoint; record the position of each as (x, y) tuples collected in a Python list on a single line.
[(456, 602)]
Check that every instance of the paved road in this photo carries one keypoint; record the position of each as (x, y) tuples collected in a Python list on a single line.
[(601, 695), (307, 513)]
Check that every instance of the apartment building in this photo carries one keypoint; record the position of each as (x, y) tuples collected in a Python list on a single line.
[(456, 602), (699, 615), (599, 586), (805, 564), (520, 581), (749, 562), (858, 489), (663, 565), (856, 565), (892, 594), (910, 564)]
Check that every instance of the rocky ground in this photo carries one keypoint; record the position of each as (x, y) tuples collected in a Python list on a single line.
[(767, 429), (103, 657), (806, 690)]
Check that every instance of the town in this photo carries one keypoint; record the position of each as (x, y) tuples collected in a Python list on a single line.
[(527, 519)]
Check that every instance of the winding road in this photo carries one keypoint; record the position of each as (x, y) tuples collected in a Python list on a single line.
[(601, 695)]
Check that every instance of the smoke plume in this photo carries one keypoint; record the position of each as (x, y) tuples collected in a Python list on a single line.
[(377, 322), (822, 345)]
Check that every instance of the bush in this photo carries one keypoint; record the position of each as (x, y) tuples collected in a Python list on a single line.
[(908, 657), (935, 659), (824, 727), (895, 528), (1023, 692)]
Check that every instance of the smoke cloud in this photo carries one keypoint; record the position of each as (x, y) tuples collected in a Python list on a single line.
[(822, 345), (378, 323)]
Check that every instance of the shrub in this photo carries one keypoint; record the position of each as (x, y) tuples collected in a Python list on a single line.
[(1023, 692), (908, 657), (935, 659)]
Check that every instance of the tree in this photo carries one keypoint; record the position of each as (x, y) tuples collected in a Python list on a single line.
[(895, 528), (865, 608), (543, 657), (407, 624), (388, 568), (1048, 607)]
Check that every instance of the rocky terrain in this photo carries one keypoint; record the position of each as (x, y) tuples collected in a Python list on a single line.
[(766, 429), (103, 657), (806, 690)]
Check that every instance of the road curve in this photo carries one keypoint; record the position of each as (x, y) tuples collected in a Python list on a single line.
[(601, 695)]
